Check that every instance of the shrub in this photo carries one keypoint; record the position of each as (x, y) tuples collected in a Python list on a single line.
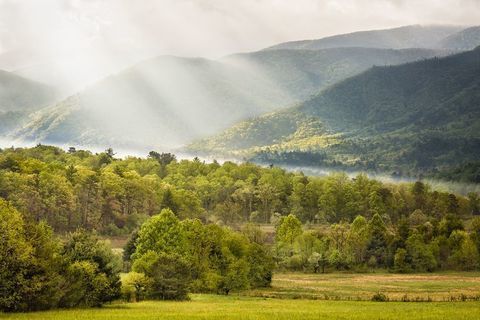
[(379, 297)]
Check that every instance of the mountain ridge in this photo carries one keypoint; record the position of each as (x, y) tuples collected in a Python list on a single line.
[(173, 100), (430, 109)]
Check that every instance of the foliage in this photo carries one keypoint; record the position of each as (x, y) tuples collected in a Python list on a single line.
[(412, 119), (39, 272), (93, 273), (180, 256), (135, 286)]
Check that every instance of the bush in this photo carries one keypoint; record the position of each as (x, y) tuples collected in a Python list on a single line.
[(379, 297)]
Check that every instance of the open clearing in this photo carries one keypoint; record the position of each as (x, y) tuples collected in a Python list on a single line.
[(397, 287), (236, 307), (303, 296)]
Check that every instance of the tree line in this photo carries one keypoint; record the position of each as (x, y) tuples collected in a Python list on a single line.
[(415, 244), (167, 259), (112, 196)]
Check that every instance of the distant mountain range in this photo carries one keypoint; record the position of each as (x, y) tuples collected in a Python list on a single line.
[(170, 101), (416, 36), (419, 115), (395, 99)]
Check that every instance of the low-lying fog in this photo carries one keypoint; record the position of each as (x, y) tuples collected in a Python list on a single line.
[(439, 185)]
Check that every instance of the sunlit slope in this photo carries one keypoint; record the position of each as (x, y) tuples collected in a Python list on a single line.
[(420, 114), (415, 36), (18, 97), (169, 101)]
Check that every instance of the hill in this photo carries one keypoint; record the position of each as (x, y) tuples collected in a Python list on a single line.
[(168, 101), (18, 97), (18, 93), (467, 39), (415, 36), (422, 116)]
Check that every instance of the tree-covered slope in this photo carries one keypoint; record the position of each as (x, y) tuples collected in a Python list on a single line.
[(17, 93), (18, 97), (415, 36), (169, 101), (418, 115)]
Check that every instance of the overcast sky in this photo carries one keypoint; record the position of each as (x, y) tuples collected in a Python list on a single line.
[(123, 31)]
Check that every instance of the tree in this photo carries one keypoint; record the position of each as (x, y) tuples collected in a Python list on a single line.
[(400, 261), (378, 243), (162, 233), (464, 255), (318, 261), (288, 229), (130, 246), (421, 255), (135, 286), (358, 238), (169, 275), (30, 267), (93, 273), (261, 265), (449, 224), (235, 277)]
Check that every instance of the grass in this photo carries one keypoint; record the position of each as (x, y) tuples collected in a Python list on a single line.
[(237, 307), (397, 287), (304, 296)]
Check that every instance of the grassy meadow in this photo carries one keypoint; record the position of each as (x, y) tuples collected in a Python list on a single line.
[(303, 296), (451, 286), (238, 307)]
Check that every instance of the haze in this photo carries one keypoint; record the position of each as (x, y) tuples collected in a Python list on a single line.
[(82, 41)]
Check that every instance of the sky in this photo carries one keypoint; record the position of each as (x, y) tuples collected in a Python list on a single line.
[(90, 38)]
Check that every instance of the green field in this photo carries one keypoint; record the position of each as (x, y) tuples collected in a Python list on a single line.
[(397, 287), (302, 296), (235, 307)]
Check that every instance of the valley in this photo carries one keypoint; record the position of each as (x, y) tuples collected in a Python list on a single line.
[(250, 160)]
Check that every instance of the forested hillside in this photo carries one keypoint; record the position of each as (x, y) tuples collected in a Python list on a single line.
[(19, 97), (418, 116), (169, 101)]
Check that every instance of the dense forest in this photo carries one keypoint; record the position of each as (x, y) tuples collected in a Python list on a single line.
[(416, 118), (207, 227)]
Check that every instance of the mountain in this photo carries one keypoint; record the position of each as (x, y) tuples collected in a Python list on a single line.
[(467, 39), (421, 115), (18, 97), (17, 93), (301, 73), (415, 36), (169, 101)]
